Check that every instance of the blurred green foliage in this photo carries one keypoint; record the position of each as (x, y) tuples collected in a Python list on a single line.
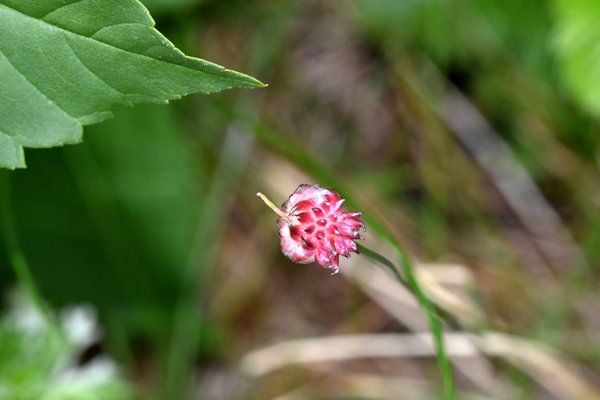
[(36, 364), (159, 7), (117, 222), (577, 43)]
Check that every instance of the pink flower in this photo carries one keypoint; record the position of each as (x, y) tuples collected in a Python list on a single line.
[(313, 227)]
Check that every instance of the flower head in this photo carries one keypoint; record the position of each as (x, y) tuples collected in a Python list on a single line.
[(313, 227)]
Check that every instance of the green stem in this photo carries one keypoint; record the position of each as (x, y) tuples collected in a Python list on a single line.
[(434, 324), (410, 280), (383, 260), (445, 315), (18, 261)]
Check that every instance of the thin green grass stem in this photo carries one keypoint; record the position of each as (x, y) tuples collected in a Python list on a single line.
[(435, 325), (383, 260), (409, 279)]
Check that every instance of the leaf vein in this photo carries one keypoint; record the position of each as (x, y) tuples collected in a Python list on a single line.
[(60, 7), (205, 63), (93, 72), (112, 26), (34, 86)]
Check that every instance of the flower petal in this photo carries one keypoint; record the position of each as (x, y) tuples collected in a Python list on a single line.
[(316, 229)]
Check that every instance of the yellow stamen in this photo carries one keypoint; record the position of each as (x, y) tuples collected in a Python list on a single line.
[(289, 218)]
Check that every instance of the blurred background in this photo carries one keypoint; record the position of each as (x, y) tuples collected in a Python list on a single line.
[(468, 130)]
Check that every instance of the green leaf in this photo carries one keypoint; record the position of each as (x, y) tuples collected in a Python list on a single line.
[(68, 63), (577, 43)]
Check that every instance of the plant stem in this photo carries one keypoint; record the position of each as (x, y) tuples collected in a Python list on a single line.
[(409, 279), (383, 260), (434, 324)]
